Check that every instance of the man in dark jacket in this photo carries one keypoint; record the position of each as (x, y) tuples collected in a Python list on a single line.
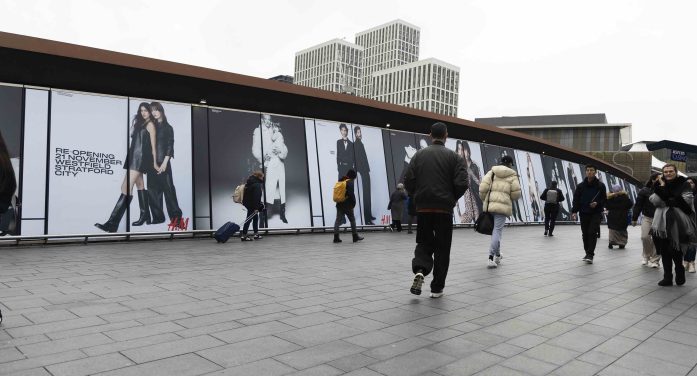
[(552, 196), (589, 200), (436, 178), (363, 168), (345, 208)]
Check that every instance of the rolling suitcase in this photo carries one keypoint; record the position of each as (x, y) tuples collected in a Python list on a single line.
[(230, 228)]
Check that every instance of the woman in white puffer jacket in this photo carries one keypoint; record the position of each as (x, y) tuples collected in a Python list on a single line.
[(497, 190)]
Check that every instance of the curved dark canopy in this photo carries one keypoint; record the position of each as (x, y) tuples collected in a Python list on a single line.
[(40, 62)]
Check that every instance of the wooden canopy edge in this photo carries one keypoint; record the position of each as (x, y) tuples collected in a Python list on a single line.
[(23, 58)]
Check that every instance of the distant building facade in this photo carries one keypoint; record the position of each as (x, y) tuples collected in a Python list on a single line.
[(388, 69), (387, 46), (584, 132), (336, 65), (430, 85)]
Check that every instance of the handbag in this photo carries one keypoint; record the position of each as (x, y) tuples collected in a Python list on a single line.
[(9, 218), (485, 221)]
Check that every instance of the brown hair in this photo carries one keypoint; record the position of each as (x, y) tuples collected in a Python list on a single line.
[(258, 174), (670, 165)]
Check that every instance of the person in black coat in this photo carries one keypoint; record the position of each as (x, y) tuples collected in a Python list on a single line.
[(617, 205), (345, 208), (673, 226), (645, 208), (252, 201), (344, 152), (160, 182), (363, 168)]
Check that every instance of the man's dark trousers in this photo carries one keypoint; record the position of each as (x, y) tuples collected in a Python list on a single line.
[(590, 231), (367, 202), (434, 234)]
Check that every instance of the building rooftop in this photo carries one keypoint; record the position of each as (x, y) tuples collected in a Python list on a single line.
[(544, 120), (397, 21)]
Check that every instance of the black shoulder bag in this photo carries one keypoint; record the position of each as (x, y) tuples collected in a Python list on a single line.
[(485, 221)]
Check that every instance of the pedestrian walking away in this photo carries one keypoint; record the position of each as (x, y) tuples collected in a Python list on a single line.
[(252, 201), (344, 208), (617, 205), (644, 208), (673, 227), (552, 196), (589, 200), (435, 178), (498, 189), (396, 207)]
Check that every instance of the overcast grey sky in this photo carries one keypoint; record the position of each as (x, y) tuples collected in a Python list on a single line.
[(633, 60)]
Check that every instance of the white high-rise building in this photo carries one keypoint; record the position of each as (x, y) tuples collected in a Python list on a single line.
[(387, 46), (430, 85), (336, 65), (383, 65)]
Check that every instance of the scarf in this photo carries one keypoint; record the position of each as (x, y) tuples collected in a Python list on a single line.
[(673, 224)]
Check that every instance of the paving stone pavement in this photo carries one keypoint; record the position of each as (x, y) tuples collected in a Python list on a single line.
[(301, 305)]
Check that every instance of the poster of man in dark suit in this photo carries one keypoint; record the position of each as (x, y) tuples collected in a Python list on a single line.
[(344, 152), (363, 169)]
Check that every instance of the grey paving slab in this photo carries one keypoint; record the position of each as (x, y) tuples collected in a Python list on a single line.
[(300, 305)]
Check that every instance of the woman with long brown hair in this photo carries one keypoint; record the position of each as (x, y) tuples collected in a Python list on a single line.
[(140, 160)]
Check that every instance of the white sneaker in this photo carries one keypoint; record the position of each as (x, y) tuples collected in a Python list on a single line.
[(691, 267), (492, 264), (436, 294), (644, 262), (497, 259), (653, 264)]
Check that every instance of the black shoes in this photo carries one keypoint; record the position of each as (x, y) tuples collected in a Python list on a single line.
[(588, 259), (336, 238), (144, 208), (665, 282), (357, 238), (609, 245), (545, 232), (283, 213), (112, 224)]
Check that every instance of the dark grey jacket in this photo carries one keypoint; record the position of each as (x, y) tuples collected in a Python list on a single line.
[(436, 178)]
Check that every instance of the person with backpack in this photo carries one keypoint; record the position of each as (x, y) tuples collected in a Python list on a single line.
[(436, 178), (345, 199), (498, 190), (252, 201), (552, 196)]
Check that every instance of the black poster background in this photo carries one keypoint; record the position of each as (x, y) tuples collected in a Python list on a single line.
[(11, 129), (201, 189), (554, 171), (400, 142), (231, 160)]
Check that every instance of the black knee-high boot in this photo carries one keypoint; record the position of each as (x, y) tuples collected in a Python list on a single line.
[(112, 224), (143, 199), (283, 213)]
